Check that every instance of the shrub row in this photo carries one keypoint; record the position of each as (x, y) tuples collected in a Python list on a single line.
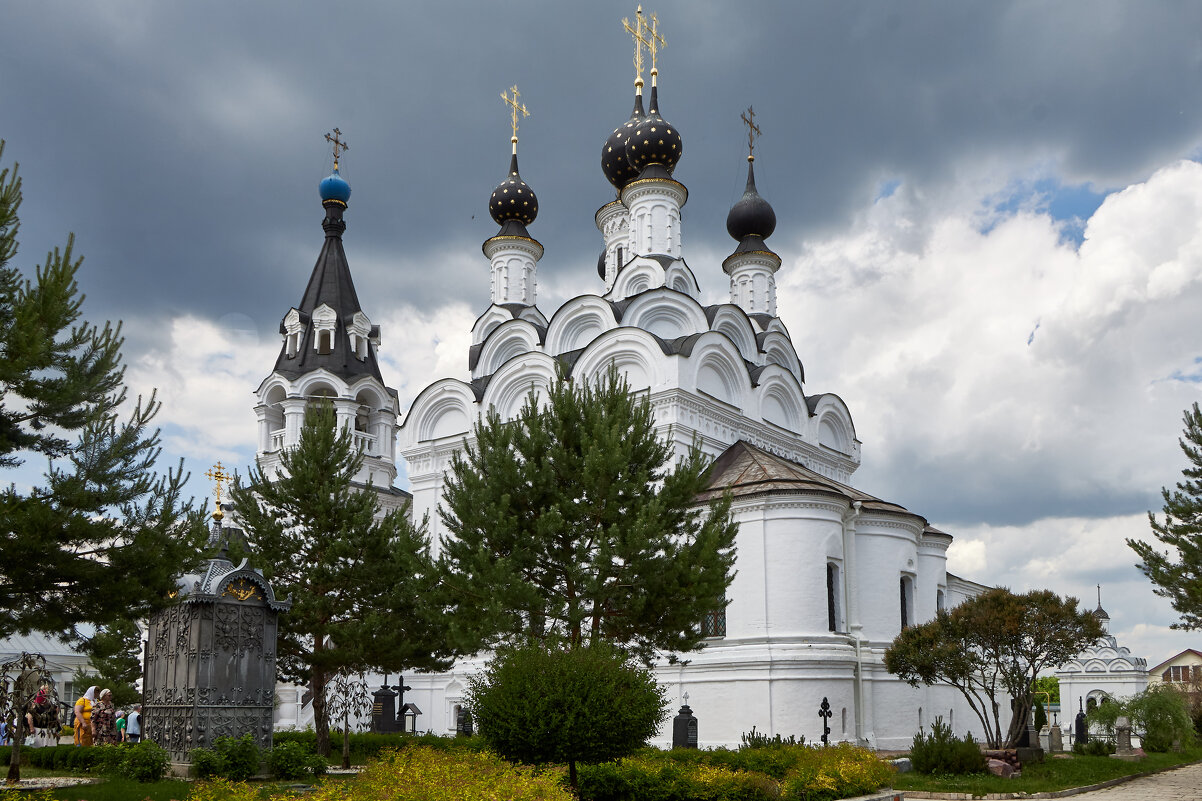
[(238, 759), (144, 762), (369, 745), (943, 753), (790, 772)]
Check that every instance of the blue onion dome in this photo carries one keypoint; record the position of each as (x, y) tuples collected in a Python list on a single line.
[(613, 153), (335, 188), (654, 140), (751, 215), (513, 199)]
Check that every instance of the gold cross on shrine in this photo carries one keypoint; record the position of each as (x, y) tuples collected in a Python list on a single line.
[(339, 145), (219, 476), (753, 131), (515, 108), (638, 32)]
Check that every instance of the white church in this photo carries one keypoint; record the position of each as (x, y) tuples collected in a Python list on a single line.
[(827, 575)]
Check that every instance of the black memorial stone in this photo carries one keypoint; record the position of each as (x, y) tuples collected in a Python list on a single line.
[(684, 729)]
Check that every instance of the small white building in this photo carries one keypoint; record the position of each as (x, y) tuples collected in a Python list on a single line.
[(1102, 671)]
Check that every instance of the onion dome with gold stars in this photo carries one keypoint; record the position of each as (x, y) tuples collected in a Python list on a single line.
[(614, 164), (752, 217), (513, 199), (654, 140)]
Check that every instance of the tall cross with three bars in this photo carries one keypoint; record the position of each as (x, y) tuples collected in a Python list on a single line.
[(515, 107), (753, 131), (339, 146), (638, 33), (219, 476)]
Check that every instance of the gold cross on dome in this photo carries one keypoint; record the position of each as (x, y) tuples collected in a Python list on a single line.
[(515, 107), (218, 475), (753, 130), (339, 145), (654, 41), (638, 33)]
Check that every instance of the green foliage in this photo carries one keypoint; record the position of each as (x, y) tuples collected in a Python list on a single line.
[(992, 646), (1094, 747), (1176, 571), (293, 761), (361, 583), (100, 536), (1049, 685), (114, 652), (943, 752), (233, 758), (1041, 717), (145, 761), (755, 739), (1160, 715), (805, 773), (570, 522), (540, 704)]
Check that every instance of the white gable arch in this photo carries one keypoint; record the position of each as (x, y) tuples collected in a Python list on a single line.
[(633, 351), (322, 383), (830, 425), (666, 314), (577, 323), (487, 322), (637, 277), (511, 384), (715, 368), (680, 278), (445, 408), (733, 323), (510, 339), (778, 349), (781, 400)]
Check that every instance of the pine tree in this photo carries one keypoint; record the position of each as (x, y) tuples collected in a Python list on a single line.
[(1177, 573), (361, 583), (570, 522), (101, 536)]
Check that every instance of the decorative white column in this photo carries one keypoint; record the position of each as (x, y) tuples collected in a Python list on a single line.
[(654, 204)]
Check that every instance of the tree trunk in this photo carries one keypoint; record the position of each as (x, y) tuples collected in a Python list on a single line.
[(14, 763), (1022, 712), (346, 738), (572, 778), (321, 719)]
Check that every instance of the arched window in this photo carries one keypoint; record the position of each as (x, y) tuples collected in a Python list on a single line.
[(325, 342), (907, 601), (832, 597)]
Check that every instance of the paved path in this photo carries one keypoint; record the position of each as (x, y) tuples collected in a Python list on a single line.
[(1183, 784)]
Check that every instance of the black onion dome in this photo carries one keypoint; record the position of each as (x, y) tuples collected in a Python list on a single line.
[(513, 199), (613, 153), (654, 140), (752, 215)]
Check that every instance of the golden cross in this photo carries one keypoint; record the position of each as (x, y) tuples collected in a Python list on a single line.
[(637, 31), (217, 473), (753, 130), (339, 145), (515, 108), (654, 41)]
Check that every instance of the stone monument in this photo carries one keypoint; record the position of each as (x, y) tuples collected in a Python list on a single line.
[(210, 661)]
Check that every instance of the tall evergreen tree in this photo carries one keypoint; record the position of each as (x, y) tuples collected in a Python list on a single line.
[(101, 536), (571, 522), (1177, 573), (361, 583)]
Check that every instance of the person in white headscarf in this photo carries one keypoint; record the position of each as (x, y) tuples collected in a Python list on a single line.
[(83, 717)]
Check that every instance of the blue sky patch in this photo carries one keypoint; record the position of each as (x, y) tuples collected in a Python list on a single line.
[(1070, 205)]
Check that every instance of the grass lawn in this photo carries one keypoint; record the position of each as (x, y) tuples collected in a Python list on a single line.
[(1053, 774)]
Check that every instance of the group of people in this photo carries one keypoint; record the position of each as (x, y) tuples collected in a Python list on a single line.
[(41, 724), (98, 722)]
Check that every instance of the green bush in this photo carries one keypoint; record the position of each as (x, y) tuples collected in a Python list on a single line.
[(146, 761), (206, 763), (943, 753), (107, 759), (754, 739), (1159, 715), (1094, 748), (542, 704), (289, 761), (369, 745)]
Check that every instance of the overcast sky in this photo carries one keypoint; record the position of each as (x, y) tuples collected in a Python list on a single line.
[(990, 216)]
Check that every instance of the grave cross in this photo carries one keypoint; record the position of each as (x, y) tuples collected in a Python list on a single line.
[(824, 712)]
